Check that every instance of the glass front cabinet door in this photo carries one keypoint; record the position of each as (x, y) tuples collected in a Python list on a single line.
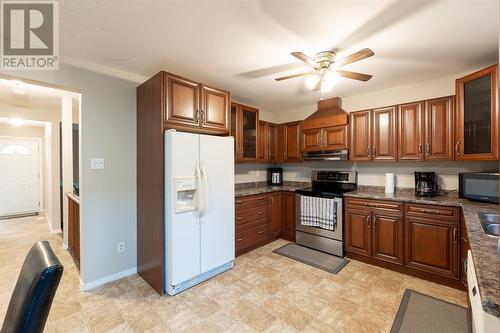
[(244, 124), (477, 116)]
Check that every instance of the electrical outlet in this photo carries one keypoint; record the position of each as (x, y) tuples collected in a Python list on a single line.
[(97, 163), (120, 247)]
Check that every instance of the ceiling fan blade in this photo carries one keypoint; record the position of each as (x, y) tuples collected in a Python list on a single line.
[(354, 75), (304, 58), (294, 76), (356, 56)]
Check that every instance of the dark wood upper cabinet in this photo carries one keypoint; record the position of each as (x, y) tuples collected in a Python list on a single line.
[(387, 237), (384, 134), (272, 142), (235, 130), (268, 142), (335, 137), (360, 149), (182, 102), (439, 124), (477, 116), (244, 128), (357, 232), (411, 138), (262, 143), (194, 107), (215, 109), (324, 139), (312, 139), (250, 121), (289, 140)]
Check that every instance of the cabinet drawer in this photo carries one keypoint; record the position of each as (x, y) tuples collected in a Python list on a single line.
[(251, 201), (251, 236), (432, 211), (243, 216), (378, 204)]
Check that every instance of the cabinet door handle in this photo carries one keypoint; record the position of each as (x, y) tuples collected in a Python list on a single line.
[(457, 148), (367, 221), (428, 149), (374, 219), (455, 235), (420, 150), (368, 149), (239, 239), (260, 232), (374, 151), (197, 116), (261, 212), (239, 201), (202, 116), (239, 218)]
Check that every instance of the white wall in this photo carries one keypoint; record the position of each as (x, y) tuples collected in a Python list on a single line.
[(108, 197), (250, 172), (374, 173)]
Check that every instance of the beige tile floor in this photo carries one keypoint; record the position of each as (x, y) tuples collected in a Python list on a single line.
[(264, 292)]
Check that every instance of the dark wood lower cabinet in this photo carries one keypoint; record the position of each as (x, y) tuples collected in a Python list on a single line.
[(374, 233), (464, 248), (432, 246), (74, 229), (387, 237), (262, 218), (421, 240), (289, 216), (275, 213), (357, 232)]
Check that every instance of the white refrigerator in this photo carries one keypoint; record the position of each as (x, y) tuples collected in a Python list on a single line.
[(199, 208)]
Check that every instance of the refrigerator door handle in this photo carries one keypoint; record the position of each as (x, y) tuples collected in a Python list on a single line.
[(200, 197), (204, 181)]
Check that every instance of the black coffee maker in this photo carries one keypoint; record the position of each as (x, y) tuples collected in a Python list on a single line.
[(425, 184), (274, 176)]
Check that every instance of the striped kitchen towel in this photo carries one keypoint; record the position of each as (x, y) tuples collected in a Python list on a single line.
[(318, 212)]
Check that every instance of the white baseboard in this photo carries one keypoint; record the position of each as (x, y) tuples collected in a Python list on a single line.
[(99, 282), (56, 231)]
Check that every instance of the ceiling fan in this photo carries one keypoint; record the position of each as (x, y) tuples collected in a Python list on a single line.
[(326, 67)]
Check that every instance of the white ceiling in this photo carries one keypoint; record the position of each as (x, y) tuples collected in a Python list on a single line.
[(242, 45), (19, 93)]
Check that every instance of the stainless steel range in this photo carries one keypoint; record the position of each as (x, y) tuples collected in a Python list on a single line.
[(320, 211)]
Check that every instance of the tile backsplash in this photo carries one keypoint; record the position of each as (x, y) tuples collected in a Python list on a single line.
[(369, 173)]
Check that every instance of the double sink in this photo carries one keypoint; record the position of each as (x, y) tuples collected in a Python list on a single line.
[(490, 223)]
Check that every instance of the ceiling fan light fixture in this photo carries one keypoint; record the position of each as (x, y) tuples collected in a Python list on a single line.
[(328, 81), (312, 81)]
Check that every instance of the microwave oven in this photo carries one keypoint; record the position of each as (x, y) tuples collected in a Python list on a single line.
[(478, 186)]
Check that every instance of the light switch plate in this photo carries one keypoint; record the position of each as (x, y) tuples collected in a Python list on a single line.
[(97, 163)]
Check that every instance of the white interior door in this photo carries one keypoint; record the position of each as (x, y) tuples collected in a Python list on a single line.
[(182, 229), (217, 222), (19, 176)]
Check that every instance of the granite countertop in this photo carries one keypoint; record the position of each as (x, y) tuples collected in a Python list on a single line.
[(483, 247), (242, 190)]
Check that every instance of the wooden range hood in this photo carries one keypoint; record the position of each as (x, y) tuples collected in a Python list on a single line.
[(329, 114)]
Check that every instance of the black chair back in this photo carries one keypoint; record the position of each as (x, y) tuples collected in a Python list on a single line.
[(35, 289)]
